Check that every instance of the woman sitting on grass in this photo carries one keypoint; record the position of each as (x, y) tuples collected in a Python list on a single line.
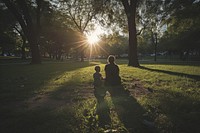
[(112, 79)]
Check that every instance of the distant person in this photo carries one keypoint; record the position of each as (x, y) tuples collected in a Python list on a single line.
[(112, 79), (99, 90)]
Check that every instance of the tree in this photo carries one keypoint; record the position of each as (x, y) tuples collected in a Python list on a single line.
[(117, 44), (182, 27), (24, 43), (130, 10), (7, 35), (7, 43), (57, 35), (123, 13), (80, 15), (20, 9), (155, 14)]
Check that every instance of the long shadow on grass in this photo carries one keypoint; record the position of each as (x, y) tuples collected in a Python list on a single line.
[(103, 112), (195, 77), (129, 111), (20, 112), (176, 112)]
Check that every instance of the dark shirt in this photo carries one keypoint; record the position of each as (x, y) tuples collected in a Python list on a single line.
[(112, 75), (97, 79)]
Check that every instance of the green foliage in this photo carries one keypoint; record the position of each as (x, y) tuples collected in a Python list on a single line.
[(57, 36), (183, 26), (115, 44), (7, 35)]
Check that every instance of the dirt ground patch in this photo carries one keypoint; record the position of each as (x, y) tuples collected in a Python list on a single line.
[(46, 100), (137, 89), (82, 92)]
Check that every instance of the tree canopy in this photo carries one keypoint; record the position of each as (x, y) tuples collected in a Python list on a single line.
[(58, 28)]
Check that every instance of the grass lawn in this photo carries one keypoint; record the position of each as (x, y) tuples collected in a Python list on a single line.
[(57, 97)]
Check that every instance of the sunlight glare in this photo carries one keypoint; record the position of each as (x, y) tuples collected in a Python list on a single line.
[(92, 39), (93, 36)]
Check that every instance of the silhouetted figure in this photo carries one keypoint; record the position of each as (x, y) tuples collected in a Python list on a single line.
[(112, 79), (99, 90), (102, 110), (127, 108)]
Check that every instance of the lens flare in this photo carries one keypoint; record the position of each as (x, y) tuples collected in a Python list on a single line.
[(92, 39)]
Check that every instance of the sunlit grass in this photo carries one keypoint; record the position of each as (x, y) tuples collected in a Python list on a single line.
[(53, 97), (176, 100)]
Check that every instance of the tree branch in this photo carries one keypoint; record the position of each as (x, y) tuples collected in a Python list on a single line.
[(74, 20), (12, 7), (126, 6), (140, 31), (24, 8)]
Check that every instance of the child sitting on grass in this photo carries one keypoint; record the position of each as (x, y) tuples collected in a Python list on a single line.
[(102, 110), (99, 91)]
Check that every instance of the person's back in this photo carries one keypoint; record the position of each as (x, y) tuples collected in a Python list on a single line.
[(97, 79), (112, 73)]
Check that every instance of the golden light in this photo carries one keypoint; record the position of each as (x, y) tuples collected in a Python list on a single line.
[(92, 39)]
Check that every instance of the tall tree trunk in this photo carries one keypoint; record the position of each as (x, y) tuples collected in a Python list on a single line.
[(36, 59), (22, 14), (130, 10), (133, 56), (32, 37)]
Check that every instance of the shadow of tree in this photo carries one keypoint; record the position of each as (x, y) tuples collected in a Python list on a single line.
[(195, 77), (175, 112)]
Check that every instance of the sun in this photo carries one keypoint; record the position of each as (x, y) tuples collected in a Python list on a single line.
[(92, 39)]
